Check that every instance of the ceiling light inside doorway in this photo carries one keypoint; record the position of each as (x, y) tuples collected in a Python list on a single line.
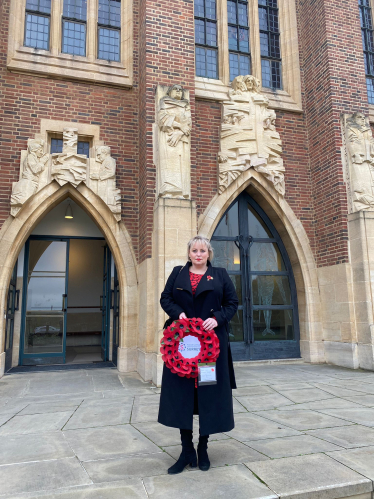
[(69, 212)]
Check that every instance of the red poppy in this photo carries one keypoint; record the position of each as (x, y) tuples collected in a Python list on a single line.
[(171, 352)]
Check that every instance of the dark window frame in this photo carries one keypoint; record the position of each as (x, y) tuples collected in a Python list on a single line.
[(110, 27), (39, 14), (73, 20), (271, 33), (205, 46), (239, 26), (367, 32)]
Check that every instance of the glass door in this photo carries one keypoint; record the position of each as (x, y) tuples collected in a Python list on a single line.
[(115, 317), (247, 244), (12, 306), (43, 336), (106, 305)]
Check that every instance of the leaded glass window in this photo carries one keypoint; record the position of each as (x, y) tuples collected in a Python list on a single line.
[(270, 44), (368, 45), (109, 30), (237, 16), (74, 27), (206, 38), (37, 25), (83, 147)]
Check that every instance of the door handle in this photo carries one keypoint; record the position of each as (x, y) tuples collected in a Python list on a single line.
[(64, 308), (101, 303), (17, 300)]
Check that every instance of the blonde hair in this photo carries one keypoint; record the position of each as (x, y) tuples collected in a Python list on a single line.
[(201, 240)]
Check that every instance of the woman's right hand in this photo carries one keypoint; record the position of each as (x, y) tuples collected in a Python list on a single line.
[(182, 316)]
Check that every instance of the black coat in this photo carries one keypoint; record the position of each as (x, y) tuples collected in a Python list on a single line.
[(214, 297)]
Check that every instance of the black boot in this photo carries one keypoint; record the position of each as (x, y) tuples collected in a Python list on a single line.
[(188, 455), (202, 453)]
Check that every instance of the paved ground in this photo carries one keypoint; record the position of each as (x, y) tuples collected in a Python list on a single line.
[(301, 430)]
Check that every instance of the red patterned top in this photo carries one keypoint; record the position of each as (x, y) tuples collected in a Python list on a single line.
[(195, 279)]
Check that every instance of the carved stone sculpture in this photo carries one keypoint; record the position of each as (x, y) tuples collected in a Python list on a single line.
[(39, 168), (33, 164), (104, 181), (248, 136), (172, 142), (69, 166), (360, 148)]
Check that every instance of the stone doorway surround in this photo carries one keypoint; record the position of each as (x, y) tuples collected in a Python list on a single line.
[(297, 245), (16, 230)]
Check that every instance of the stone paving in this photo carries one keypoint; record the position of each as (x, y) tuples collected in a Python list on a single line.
[(301, 431)]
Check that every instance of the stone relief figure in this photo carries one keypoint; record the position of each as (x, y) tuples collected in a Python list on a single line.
[(69, 166), (360, 146), (173, 142), (248, 136), (106, 179), (39, 169), (32, 166)]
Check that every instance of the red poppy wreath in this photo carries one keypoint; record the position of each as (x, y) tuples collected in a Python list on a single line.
[(186, 344)]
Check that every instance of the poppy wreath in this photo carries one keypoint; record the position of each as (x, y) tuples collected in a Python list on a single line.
[(170, 346)]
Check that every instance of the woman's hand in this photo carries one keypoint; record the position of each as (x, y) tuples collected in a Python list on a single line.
[(210, 324), (182, 316)]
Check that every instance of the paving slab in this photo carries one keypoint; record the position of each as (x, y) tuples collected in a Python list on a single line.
[(305, 395), (99, 415), (290, 386), (107, 470), (305, 419), (237, 406), (11, 406), (331, 403), (107, 382), (128, 392), (41, 475), (147, 399), (337, 391), (246, 391), (346, 436), (264, 402), (143, 413), (50, 386), (363, 399), (360, 460), (131, 488), (224, 453), (253, 427), (43, 408), (33, 447), (4, 418), (13, 387), (292, 446), (362, 415), (164, 436), (306, 477), (232, 481), (36, 423), (109, 442), (96, 402)]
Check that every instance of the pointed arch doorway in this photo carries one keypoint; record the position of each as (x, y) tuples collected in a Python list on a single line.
[(246, 243)]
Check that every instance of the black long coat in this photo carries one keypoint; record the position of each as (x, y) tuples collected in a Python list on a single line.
[(214, 297)]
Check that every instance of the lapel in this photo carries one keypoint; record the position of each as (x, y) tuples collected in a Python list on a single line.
[(183, 279), (206, 284)]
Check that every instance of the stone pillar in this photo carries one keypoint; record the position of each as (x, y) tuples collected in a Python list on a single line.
[(174, 225), (361, 243)]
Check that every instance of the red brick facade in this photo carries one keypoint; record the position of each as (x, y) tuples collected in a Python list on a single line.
[(333, 82)]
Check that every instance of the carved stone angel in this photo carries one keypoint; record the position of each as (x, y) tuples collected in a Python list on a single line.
[(174, 122)]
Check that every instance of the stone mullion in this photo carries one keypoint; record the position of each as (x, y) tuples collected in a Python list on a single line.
[(56, 27), (91, 38), (255, 39), (223, 42)]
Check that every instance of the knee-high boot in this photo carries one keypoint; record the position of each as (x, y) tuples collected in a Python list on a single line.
[(188, 454), (202, 453)]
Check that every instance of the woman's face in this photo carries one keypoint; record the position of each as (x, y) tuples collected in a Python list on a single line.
[(199, 254)]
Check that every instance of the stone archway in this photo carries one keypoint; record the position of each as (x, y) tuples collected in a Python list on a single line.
[(16, 230), (297, 245)]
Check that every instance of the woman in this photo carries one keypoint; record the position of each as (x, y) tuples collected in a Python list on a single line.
[(199, 290)]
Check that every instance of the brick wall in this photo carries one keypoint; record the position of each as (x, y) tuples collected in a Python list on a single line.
[(166, 53), (333, 74), (26, 99)]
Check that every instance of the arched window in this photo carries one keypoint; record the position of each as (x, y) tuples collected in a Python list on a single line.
[(247, 244)]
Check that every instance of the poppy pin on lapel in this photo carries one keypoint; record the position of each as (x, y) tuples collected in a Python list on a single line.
[(209, 277)]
